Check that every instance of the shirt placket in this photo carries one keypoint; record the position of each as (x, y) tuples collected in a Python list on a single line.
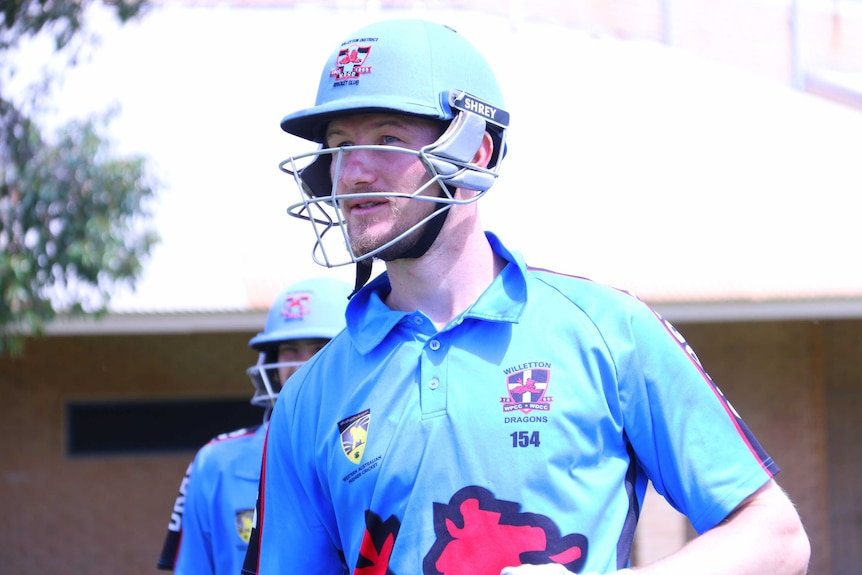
[(432, 368)]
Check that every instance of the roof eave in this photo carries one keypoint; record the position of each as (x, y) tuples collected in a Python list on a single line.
[(772, 310)]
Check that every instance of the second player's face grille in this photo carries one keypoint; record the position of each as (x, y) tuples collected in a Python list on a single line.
[(267, 379)]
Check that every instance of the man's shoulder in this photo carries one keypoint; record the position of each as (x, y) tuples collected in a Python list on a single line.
[(576, 285), (607, 306), (236, 434), (230, 441), (229, 452)]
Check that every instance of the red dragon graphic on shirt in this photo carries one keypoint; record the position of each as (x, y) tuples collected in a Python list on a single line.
[(476, 534)]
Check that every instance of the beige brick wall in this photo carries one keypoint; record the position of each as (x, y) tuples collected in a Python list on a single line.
[(842, 367), (98, 515)]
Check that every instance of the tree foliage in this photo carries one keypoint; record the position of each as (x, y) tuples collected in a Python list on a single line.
[(74, 220)]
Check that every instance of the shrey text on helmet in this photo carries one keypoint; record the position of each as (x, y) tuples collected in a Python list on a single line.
[(480, 108)]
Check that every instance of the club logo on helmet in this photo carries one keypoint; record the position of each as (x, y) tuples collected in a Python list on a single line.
[(350, 63), (296, 306)]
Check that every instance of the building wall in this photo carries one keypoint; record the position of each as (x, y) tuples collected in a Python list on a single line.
[(797, 384), (842, 368), (764, 37), (98, 515)]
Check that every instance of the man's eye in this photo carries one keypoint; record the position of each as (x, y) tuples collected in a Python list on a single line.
[(389, 140)]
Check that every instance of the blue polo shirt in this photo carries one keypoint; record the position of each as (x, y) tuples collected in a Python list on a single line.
[(525, 431), (211, 533)]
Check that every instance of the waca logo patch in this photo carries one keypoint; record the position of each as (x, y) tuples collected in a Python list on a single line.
[(354, 435), (244, 521)]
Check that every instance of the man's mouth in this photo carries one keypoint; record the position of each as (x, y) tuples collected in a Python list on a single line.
[(363, 203)]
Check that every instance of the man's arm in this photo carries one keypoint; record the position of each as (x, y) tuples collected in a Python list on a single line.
[(171, 546), (195, 556), (762, 536)]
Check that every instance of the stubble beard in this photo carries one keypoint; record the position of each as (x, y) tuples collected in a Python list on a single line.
[(363, 242)]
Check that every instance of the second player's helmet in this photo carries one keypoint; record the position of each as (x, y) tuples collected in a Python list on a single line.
[(409, 67), (311, 309)]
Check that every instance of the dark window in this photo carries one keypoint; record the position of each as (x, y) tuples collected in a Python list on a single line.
[(134, 427)]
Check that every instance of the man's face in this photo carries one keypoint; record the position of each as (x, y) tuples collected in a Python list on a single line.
[(296, 352), (371, 222)]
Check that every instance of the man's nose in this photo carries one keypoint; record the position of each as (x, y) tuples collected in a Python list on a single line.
[(356, 168)]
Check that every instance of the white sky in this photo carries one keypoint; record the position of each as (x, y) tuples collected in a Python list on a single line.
[(628, 162)]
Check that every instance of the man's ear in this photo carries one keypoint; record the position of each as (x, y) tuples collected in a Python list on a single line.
[(485, 152)]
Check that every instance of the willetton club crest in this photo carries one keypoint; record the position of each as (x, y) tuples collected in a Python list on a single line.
[(527, 390)]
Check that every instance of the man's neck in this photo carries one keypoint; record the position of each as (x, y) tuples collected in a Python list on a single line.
[(446, 281)]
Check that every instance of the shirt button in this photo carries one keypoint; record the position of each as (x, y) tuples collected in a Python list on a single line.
[(434, 383), (417, 320), (434, 344)]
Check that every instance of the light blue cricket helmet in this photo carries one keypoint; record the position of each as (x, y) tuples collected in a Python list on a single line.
[(310, 309), (405, 66)]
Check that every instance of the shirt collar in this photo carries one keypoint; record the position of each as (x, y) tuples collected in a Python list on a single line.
[(369, 320)]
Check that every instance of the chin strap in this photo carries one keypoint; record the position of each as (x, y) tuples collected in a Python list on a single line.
[(429, 235), (363, 274)]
